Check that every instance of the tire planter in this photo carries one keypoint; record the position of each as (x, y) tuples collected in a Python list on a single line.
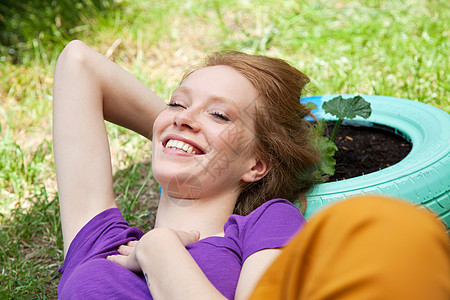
[(422, 177)]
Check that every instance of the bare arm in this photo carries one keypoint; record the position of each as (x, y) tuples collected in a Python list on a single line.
[(170, 270), (172, 273), (88, 89), (253, 269)]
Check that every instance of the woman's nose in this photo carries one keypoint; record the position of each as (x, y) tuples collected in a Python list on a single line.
[(186, 119)]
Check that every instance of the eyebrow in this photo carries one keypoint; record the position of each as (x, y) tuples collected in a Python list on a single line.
[(188, 91), (182, 89)]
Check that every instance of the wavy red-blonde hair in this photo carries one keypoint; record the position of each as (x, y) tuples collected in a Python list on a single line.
[(282, 137)]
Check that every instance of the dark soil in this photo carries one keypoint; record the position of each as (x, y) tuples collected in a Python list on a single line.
[(363, 150)]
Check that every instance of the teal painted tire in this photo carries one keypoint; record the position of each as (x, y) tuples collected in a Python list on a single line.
[(422, 177)]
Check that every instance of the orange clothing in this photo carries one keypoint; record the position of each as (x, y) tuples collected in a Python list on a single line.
[(368, 247)]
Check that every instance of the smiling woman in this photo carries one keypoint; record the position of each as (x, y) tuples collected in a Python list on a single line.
[(208, 112), (230, 142), (226, 143)]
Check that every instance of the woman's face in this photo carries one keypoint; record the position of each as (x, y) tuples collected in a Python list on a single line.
[(203, 141)]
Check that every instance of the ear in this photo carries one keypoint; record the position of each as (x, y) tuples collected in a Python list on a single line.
[(258, 170)]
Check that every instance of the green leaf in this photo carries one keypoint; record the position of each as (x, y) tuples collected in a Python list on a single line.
[(311, 105), (326, 149), (348, 108)]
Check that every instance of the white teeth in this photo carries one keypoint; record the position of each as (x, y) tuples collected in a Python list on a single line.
[(171, 143), (179, 145)]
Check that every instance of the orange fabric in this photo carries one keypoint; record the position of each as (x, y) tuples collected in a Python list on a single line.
[(368, 247)]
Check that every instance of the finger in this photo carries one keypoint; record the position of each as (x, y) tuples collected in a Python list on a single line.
[(120, 259), (132, 243), (125, 250), (126, 262)]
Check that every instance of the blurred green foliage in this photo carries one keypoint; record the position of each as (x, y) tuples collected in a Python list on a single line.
[(27, 25)]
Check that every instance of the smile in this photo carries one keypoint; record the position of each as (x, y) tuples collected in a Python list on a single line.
[(182, 146)]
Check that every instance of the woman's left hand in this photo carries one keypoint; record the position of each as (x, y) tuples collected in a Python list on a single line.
[(169, 269), (127, 253), (127, 257)]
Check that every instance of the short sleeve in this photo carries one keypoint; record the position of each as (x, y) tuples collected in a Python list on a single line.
[(271, 226), (87, 274), (100, 237)]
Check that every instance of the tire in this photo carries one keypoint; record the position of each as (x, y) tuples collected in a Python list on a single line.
[(422, 177)]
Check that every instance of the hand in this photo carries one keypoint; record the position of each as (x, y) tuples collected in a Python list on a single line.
[(127, 253), (127, 257)]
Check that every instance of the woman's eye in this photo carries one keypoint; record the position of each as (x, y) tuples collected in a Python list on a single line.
[(221, 116), (176, 104)]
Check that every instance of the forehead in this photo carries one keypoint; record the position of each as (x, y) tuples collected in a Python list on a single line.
[(221, 82)]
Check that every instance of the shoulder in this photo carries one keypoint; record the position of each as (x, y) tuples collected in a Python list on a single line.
[(278, 207), (275, 211), (271, 225), (274, 216)]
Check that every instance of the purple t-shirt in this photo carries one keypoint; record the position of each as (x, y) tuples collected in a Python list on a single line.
[(87, 274)]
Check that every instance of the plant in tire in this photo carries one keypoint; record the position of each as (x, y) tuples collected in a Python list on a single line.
[(422, 177), (346, 109), (343, 109)]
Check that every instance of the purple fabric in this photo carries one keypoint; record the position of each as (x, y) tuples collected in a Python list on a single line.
[(86, 274)]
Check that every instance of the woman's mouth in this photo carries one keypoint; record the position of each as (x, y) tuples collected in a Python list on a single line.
[(182, 146)]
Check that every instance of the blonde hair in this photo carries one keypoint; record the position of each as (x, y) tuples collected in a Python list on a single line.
[(282, 135)]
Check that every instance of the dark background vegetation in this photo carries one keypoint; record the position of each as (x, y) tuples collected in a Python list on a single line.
[(27, 26)]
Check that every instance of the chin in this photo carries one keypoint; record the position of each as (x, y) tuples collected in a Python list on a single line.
[(180, 184)]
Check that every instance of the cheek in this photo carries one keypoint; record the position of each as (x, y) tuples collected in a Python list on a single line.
[(237, 140)]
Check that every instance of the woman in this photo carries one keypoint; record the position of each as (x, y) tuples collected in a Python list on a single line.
[(231, 140)]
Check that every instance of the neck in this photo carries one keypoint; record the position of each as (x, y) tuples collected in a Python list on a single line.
[(206, 214)]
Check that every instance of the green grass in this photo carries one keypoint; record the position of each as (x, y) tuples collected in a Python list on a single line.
[(395, 48)]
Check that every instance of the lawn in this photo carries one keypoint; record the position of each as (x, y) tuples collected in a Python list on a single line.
[(395, 48)]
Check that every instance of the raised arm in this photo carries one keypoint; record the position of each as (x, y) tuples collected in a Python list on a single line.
[(88, 89)]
